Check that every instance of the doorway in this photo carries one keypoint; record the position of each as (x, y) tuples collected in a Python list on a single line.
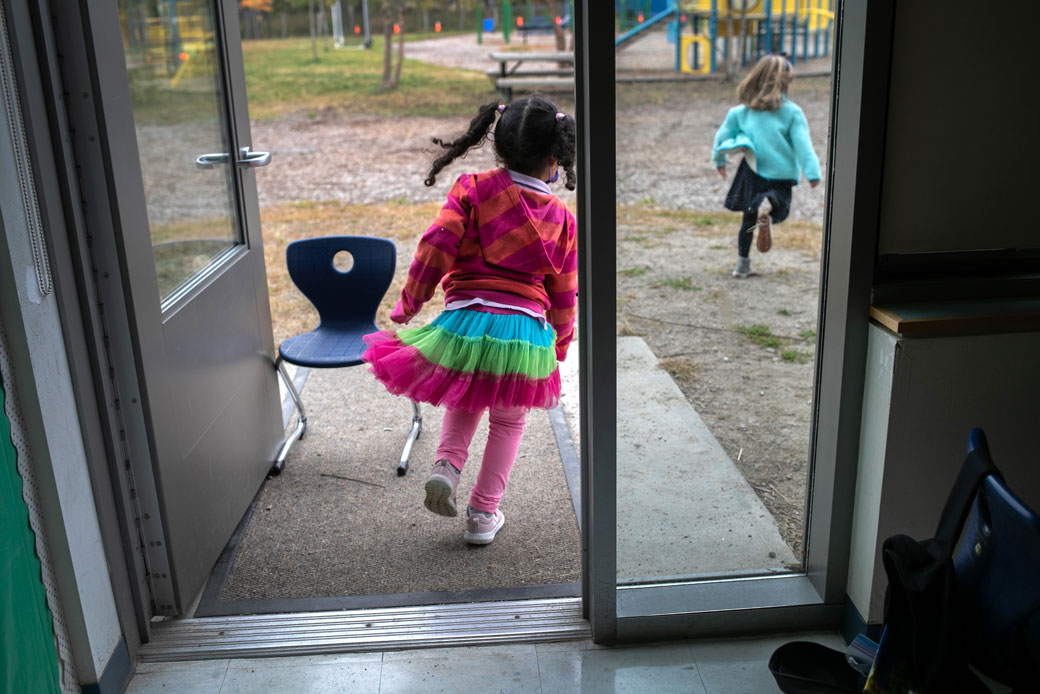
[(597, 458)]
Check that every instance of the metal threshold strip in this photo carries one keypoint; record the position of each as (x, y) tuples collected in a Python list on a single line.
[(312, 633)]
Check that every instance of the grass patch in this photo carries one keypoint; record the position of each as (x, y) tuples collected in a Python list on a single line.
[(792, 235), (760, 334), (808, 334), (679, 369), (632, 272), (794, 355), (684, 283), (782, 312), (282, 77)]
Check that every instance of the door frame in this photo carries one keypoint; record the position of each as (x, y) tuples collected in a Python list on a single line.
[(814, 598), (82, 104), (108, 390)]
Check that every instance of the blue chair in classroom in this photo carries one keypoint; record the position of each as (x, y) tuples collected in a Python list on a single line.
[(346, 302), (997, 564)]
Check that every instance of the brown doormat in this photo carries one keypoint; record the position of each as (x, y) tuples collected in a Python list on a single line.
[(339, 521)]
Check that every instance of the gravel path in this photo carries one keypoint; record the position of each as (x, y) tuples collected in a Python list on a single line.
[(664, 135)]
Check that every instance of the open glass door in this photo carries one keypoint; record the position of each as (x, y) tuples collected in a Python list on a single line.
[(187, 231), (685, 540)]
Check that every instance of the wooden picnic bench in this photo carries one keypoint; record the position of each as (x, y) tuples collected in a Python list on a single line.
[(509, 75)]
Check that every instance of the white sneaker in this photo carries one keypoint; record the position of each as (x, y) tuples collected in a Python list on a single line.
[(743, 268)]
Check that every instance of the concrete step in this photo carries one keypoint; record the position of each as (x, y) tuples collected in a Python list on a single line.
[(684, 509)]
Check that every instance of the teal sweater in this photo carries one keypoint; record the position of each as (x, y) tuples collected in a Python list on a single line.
[(779, 140)]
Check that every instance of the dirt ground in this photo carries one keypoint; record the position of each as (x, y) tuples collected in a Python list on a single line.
[(742, 351)]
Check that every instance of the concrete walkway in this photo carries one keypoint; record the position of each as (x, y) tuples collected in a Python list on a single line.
[(684, 509)]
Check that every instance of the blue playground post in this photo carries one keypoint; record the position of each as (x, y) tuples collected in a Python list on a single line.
[(805, 33), (819, 24), (794, 34), (783, 25), (827, 36), (769, 26), (678, 40), (713, 31)]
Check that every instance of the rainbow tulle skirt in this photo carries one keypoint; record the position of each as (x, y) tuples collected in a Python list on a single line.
[(470, 360)]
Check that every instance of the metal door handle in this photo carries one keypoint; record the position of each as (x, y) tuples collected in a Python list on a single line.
[(252, 159), (245, 158), (208, 161)]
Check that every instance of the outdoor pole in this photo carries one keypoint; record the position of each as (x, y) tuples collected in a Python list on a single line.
[(769, 25), (337, 23), (830, 27), (480, 24), (713, 31), (507, 19), (805, 33), (794, 34), (816, 34), (364, 21), (678, 40)]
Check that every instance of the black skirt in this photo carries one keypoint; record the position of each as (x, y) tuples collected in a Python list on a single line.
[(749, 190)]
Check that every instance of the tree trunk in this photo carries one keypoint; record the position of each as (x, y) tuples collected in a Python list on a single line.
[(323, 24), (310, 20), (400, 47), (561, 39), (285, 26), (388, 45)]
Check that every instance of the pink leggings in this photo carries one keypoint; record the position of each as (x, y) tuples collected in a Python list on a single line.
[(505, 428)]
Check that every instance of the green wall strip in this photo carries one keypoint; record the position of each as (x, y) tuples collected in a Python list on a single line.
[(29, 661)]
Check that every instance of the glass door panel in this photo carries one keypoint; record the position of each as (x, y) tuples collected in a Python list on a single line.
[(178, 98), (715, 359)]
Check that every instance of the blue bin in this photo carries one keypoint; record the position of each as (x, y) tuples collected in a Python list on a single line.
[(489, 24)]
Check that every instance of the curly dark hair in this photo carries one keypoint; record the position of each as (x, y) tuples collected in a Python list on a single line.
[(527, 136)]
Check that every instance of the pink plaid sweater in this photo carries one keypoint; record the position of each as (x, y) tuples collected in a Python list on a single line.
[(496, 241)]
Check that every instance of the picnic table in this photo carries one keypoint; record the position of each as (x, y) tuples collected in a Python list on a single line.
[(509, 75)]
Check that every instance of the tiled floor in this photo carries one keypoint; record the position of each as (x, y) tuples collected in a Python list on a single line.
[(689, 667)]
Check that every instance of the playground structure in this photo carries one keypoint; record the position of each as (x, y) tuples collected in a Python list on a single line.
[(799, 29), (523, 19)]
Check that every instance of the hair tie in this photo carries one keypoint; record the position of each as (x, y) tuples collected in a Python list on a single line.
[(501, 108), (560, 116)]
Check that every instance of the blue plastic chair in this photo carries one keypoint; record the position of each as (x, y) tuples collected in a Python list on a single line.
[(997, 564), (346, 303)]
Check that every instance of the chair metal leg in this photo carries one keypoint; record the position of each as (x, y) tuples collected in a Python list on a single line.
[(301, 425), (402, 467)]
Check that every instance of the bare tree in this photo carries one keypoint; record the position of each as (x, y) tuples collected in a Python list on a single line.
[(310, 20), (392, 75), (731, 49), (400, 45), (561, 39)]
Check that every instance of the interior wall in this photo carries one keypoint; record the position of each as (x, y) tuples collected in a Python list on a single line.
[(940, 388), (961, 136)]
